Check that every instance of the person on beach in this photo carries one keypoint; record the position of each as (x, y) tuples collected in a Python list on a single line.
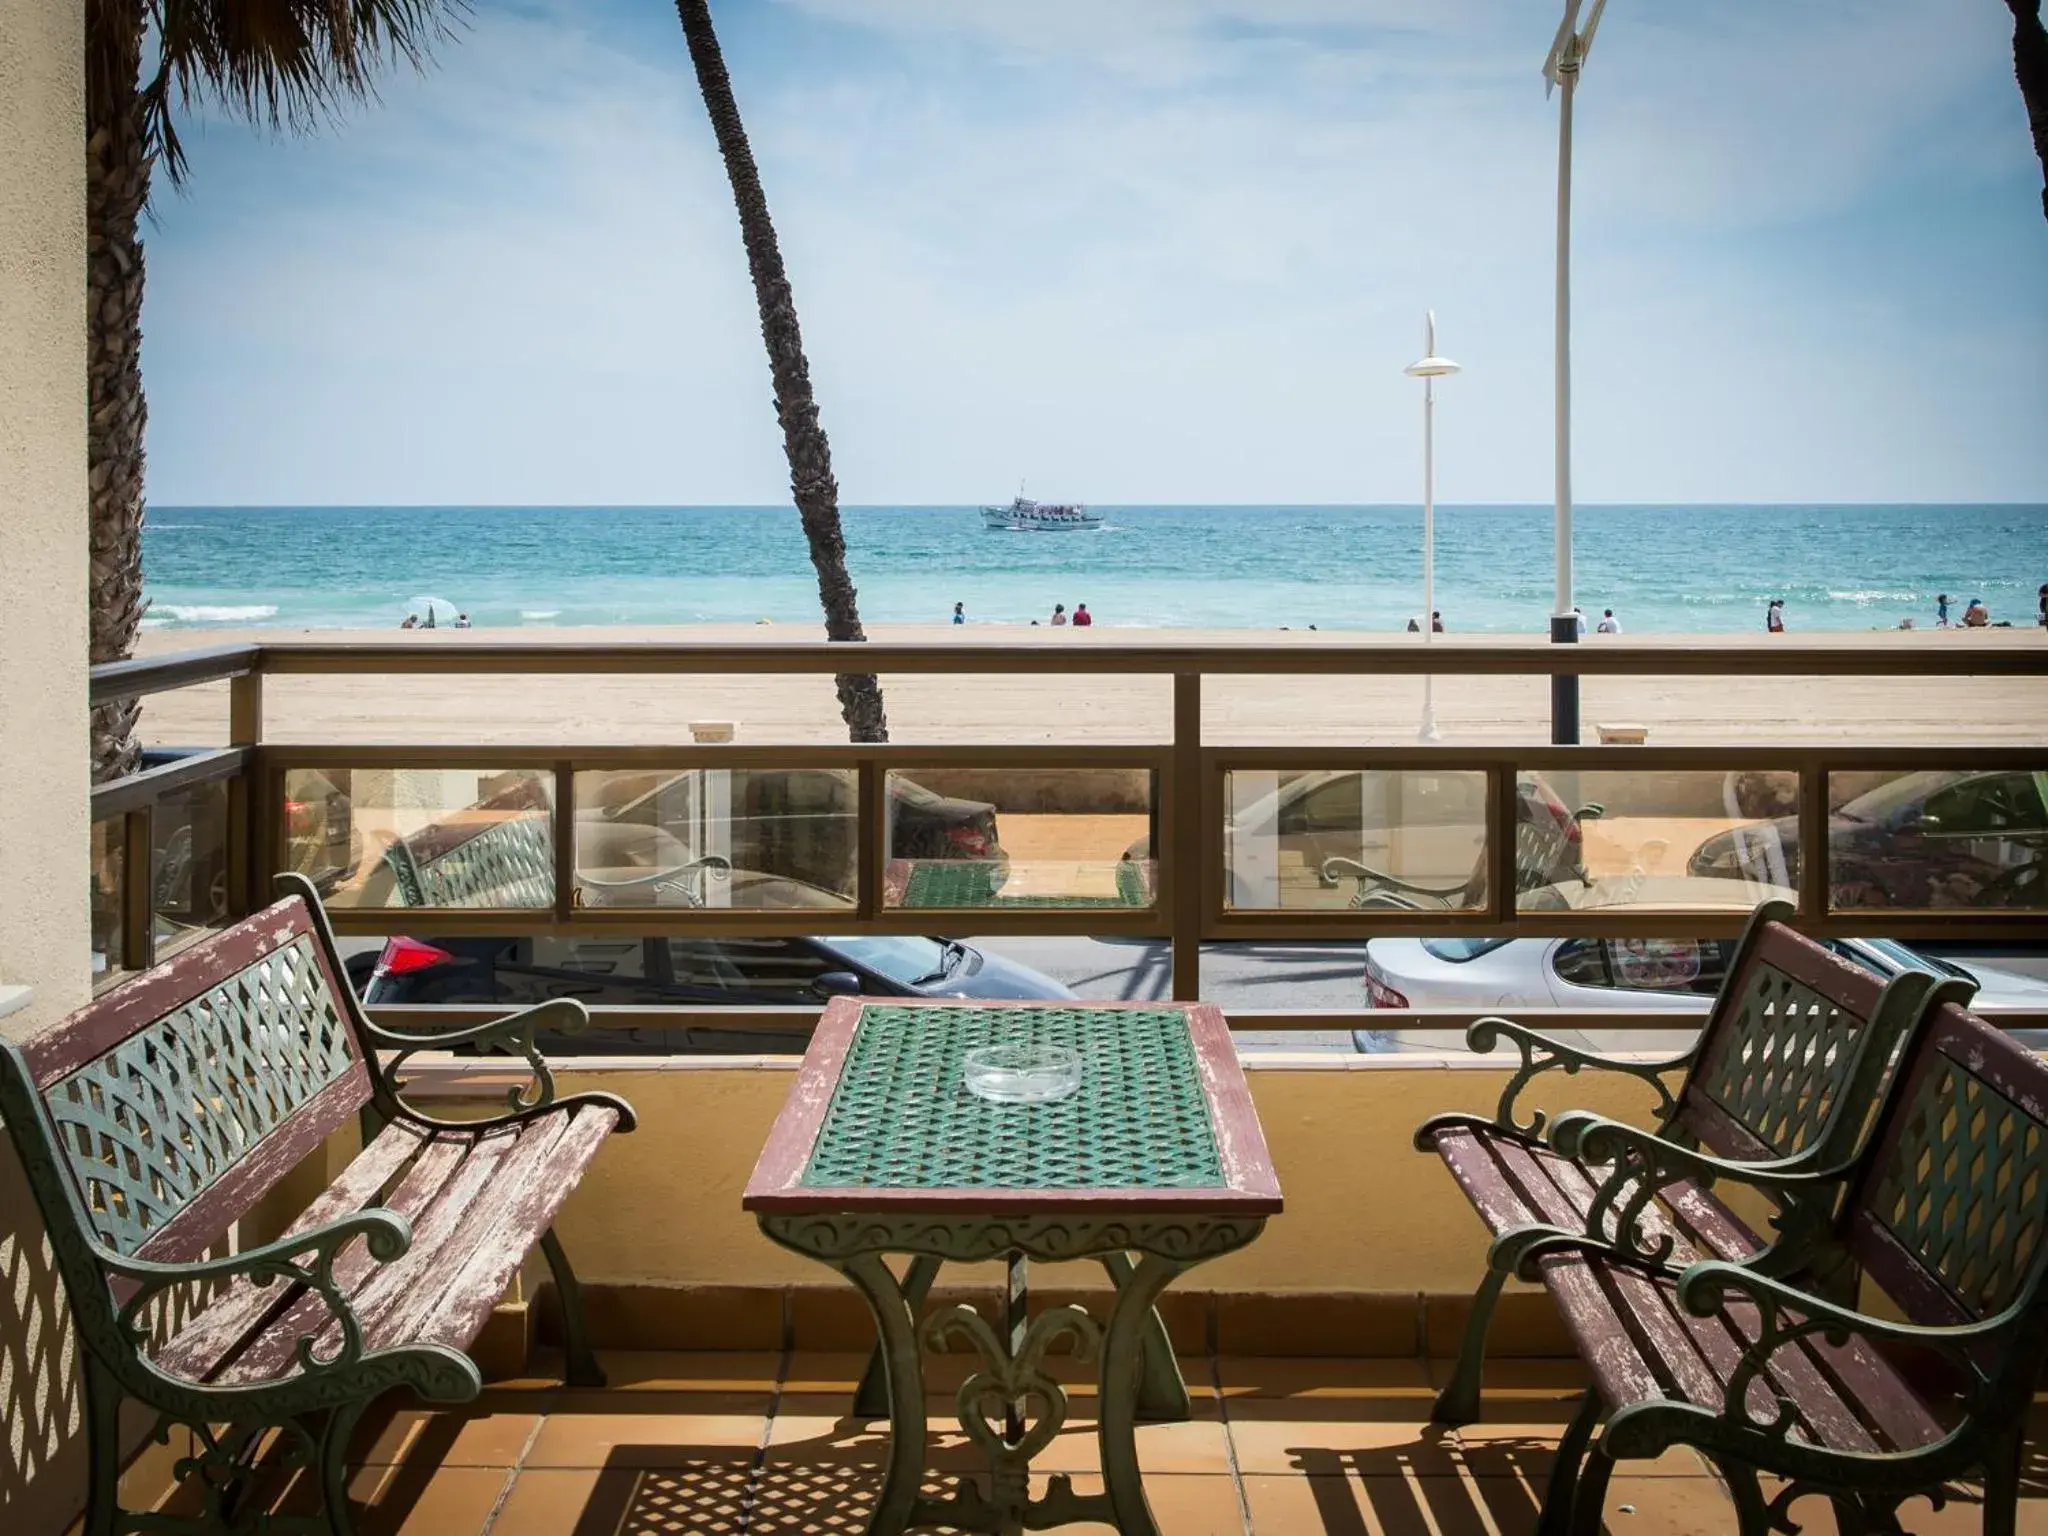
[(2044, 605), (1082, 616), (1059, 614), (462, 621), (412, 621), (1774, 616), (1976, 616), (959, 613), (1436, 622), (1609, 624), (1415, 626), (1941, 611), (1579, 620)]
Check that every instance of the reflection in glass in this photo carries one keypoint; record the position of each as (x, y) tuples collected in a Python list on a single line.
[(109, 886), (414, 837), (1054, 837), (757, 840), (1374, 839), (188, 880), (1682, 840), (1947, 838)]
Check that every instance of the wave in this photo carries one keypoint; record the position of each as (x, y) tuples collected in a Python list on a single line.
[(540, 613), (208, 613)]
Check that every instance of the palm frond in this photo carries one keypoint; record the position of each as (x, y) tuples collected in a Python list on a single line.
[(288, 65)]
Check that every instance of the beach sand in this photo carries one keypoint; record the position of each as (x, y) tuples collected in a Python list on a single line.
[(1047, 707)]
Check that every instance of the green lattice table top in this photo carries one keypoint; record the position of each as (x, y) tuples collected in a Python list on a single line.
[(954, 883), (902, 1118)]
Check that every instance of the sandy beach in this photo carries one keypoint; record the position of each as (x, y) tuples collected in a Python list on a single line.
[(1048, 707)]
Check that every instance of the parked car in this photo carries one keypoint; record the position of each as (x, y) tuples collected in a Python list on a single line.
[(1332, 823), (639, 971), (1934, 839), (1595, 974)]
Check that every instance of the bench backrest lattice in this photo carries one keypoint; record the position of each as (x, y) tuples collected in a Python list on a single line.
[(508, 863), (1949, 1215), (1795, 1050), (175, 1103)]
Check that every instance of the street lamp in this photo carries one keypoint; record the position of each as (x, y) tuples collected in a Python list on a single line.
[(1561, 70), (1429, 369)]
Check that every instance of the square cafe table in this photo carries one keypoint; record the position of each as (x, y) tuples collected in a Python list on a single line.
[(1156, 1164)]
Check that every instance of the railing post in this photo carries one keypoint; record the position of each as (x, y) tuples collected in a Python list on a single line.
[(247, 804), (1502, 807), (245, 709), (138, 917), (1188, 842), (870, 840), (565, 840), (1813, 841)]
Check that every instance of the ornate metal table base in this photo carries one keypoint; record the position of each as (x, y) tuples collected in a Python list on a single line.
[(1011, 1408)]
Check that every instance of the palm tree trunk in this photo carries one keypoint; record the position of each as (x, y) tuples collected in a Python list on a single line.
[(803, 439), (2030, 65), (117, 186)]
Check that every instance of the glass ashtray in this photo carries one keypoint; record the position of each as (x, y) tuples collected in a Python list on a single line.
[(1022, 1074)]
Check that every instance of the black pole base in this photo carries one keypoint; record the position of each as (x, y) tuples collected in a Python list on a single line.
[(1564, 687)]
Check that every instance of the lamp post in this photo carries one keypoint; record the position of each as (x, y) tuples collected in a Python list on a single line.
[(1561, 70), (1429, 369)]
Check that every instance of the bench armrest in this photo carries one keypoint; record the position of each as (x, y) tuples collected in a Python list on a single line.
[(1541, 1053), (512, 1035), (1704, 1289), (1334, 870), (1644, 1164), (303, 1258)]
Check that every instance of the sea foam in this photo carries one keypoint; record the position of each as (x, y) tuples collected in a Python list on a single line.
[(207, 613)]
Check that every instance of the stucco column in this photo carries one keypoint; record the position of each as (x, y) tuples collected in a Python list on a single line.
[(44, 935)]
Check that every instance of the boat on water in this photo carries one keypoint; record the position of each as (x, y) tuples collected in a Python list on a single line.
[(1023, 515)]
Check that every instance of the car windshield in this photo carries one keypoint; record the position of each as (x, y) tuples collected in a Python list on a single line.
[(1882, 804), (1891, 953), (1458, 951), (907, 958)]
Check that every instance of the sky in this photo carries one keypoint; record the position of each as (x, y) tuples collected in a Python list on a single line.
[(1130, 251)]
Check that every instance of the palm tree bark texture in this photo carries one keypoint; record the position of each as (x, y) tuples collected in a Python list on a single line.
[(288, 64), (803, 438), (2030, 67)]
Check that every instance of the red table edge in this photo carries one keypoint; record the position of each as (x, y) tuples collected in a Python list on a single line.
[(1250, 1185)]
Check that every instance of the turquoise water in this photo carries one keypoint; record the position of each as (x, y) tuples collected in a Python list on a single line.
[(1662, 569)]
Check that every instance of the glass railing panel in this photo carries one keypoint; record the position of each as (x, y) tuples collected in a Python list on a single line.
[(1017, 838), (1974, 838), (1682, 840), (188, 875), (423, 837), (767, 840), (109, 893), (1371, 840)]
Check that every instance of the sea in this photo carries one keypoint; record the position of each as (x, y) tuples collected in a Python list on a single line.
[(1662, 569)]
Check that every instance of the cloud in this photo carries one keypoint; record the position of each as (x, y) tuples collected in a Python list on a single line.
[(1166, 249)]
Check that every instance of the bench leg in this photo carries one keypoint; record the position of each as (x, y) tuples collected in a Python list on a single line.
[(580, 1367), (329, 1434), (2002, 1485), (103, 1446), (1556, 1517), (1752, 1513), (1458, 1403), (1589, 1493)]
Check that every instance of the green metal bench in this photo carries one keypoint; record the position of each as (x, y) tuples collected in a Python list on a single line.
[(1946, 1213), (941, 884), (152, 1121), (1779, 1082)]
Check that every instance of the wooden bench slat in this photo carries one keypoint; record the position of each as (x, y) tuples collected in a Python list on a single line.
[(199, 1348), (456, 1314), (270, 1354)]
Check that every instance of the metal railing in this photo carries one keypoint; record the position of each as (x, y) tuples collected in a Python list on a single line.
[(1188, 896)]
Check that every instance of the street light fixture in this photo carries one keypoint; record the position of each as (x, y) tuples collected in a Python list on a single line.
[(1561, 70), (1429, 369)]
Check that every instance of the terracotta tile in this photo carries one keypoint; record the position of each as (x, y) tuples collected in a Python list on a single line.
[(1276, 1438), (683, 1317), (815, 1500), (703, 1499), (812, 1372), (402, 1500), (1325, 1385), (1197, 1445), (445, 1438), (1525, 1324), (1519, 1378), (1962, 1515), (651, 1438), (690, 1370), (820, 1431), (1397, 1504), (1183, 1504)]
